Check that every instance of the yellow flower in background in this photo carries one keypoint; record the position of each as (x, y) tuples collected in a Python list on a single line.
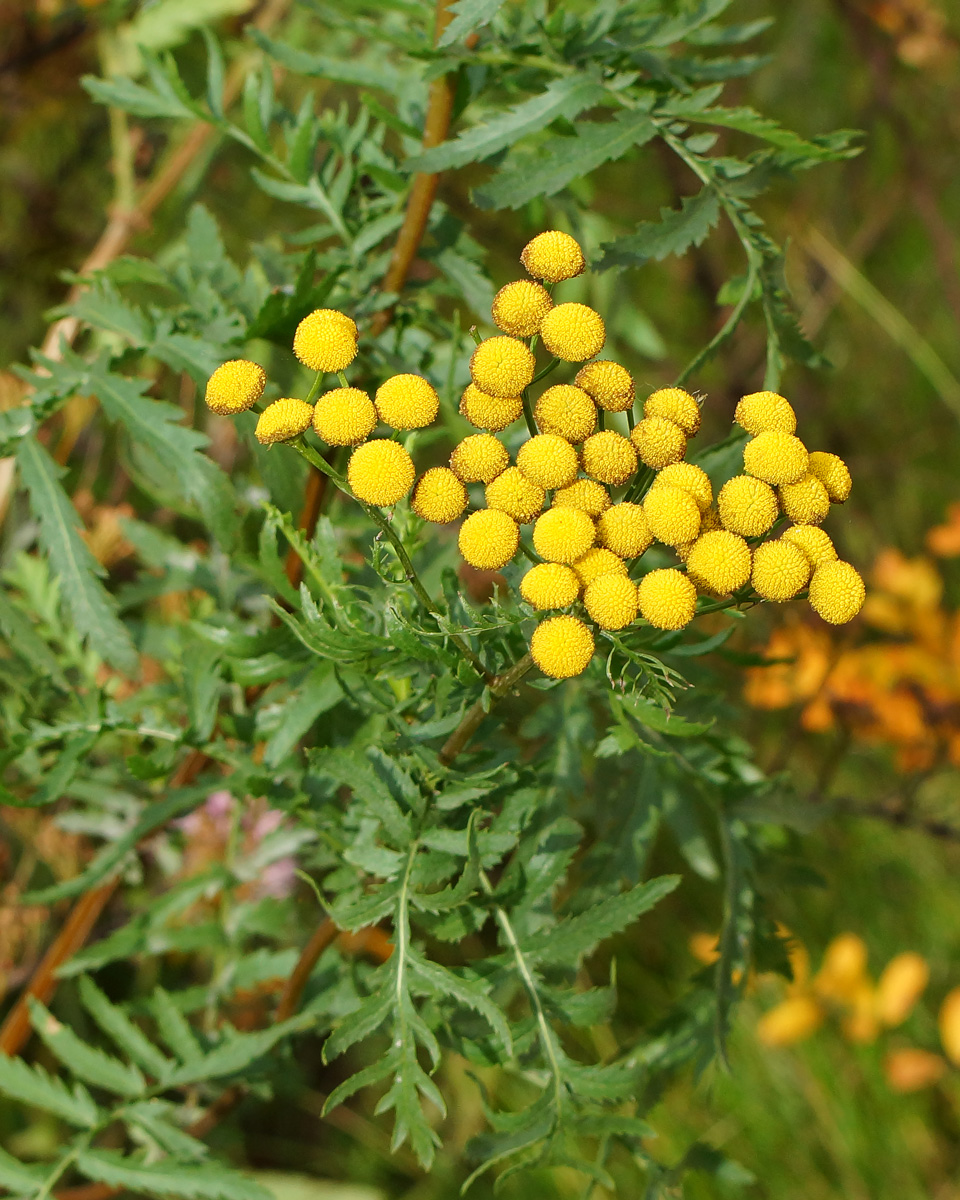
[(608, 384), (567, 411), (573, 332), (562, 646), (676, 405), (488, 539), (439, 496), (516, 495), (344, 417), (380, 472), (519, 308), (763, 411), (407, 402), (326, 340), (479, 458), (492, 413), (550, 585), (502, 366), (658, 441), (949, 1025), (283, 419), (901, 984), (837, 592), (790, 1021), (910, 1069), (234, 387), (553, 256)]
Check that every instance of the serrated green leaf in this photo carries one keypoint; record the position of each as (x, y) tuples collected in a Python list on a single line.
[(236, 1052), (319, 693), (174, 1028), (33, 1086), (381, 76), (134, 98), (442, 981), (116, 1024), (469, 15), (675, 232), (748, 120), (19, 1178), (88, 1063), (150, 1116), (359, 1024), (201, 1181)]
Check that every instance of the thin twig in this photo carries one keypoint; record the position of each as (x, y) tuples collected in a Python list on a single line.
[(473, 718)]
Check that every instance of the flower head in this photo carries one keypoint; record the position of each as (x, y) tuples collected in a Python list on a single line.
[(691, 478), (502, 366), (836, 592), (610, 385), (658, 441), (719, 560), (747, 506), (611, 600), (439, 496), (573, 332), (563, 535), (667, 599), (624, 529), (672, 514), (548, 460), (518, 308), (380, 472), (763, 411), (586, 494), (676, 405), (488, 539), (283, 419), (407, 402), (489, 412), (562, 646), (780, 570), (479, 458), (550, 585), (609, 457), (513, 493), (833, 473), (326, 340), (805, 502), (596, 562), (344, 417), (813, 541), (775, 457), (234, 387), (566, 411), (553, 256)]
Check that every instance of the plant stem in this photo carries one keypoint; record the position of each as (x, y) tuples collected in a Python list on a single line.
[(528, 413), (474, 715)]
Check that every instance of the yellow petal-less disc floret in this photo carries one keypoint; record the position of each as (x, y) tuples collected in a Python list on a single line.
[(479, 458), (573, 332), (596, 562), (344, 417), (326, 340), (562, 646), (775, 457), (407, 402), (612, 601), (550, 585), (763, 411), (805, 502), (691, 478), (780, 570), (610, 385), (439, 496), (667, 598), (489, 412), (833, 473), (676, 405), (624, 529), (502, 366), (586, 494), (836, 592), (563, 535), (283, 419), (814, 542), (380, 472), (672, 514), (513, 493), (609, 457), (747, 506), (488, 539), (234, 387), (566, 411), (518, 308), (553, 256), (548, 460), (658, 442), (720, 560)]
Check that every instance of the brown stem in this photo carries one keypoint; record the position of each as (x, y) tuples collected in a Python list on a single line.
[(456, 743), (312, 504)]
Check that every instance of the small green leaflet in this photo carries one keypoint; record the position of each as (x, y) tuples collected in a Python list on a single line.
[(201, 1181), (382, 76), (748, 120), (560, 160), (675, 232), (33, 1086), (88, 1063), (470, 15)]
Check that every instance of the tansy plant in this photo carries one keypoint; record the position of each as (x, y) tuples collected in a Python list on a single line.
[(443, 607)]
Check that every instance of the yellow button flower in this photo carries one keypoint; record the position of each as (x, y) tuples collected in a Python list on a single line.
[(548, 460), (502, 366), (775, 457), (780, 570), (407, 402), (562, 646), (596, 562), (667, 599), (563, 535), (586, 494), (676, 405), (658, 442), (439, 496), (836, 592), (814, 542), (573, 332), (747, 506), (672, 514), (566, 411), (691, 478), (550, 585), (234, 387), (610, 385), (513, 493), (283, 419), (763, 411), (344, 417), (380, 472), (326, 340), (489, 412), (488, 539), (805, 502), (609, 457), (833, 473), (624, 529), (518, 308), (612, 601), (479, 458), (720, 561), (553, 256)]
